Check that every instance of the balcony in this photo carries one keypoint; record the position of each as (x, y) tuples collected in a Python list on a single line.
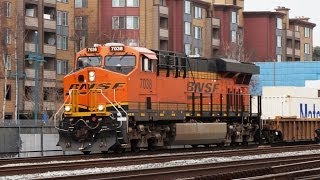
[(49, 106), (297, 52), (215, 42), (49, 24), (29, 47), (289, 51), (164, 33), (163, 10), (297, 35), (215, 22), (289, 33), (49, 74), (49, 49), (29, 105), (50, 1), (30, 73), (31, 21)]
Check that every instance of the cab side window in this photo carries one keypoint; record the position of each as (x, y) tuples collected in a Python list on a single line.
[(147, 64)]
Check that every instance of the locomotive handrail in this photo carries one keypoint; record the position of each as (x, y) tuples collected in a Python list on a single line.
[(119, 105), (55, 115)]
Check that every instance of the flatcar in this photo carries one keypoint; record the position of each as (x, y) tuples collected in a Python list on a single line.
[(122, 97)]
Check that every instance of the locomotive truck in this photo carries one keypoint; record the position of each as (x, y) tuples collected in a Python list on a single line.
[(122, 97)]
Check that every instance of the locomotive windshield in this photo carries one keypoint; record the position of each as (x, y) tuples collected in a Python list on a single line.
[(88, 61), (121, 64)]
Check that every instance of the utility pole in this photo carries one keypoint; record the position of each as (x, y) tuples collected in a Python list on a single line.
[(36, 58)]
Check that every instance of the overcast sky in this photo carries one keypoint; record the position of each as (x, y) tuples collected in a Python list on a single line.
[(307, 8)]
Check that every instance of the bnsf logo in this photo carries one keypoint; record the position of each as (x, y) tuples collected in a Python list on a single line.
[(202, 87), (102, 86)]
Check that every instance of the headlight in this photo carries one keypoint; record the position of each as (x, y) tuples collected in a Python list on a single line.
[(67, 108), (100, 107), (92, 76)]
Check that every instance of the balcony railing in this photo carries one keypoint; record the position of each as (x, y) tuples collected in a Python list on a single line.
[(49, 24), (164, 33), (289, 50), (50, 1), (29, 47), (48, 49), (163, 10), (215, 22), (289, 33), (31, 21), (297, 52), (49, 106), (297, 35), (215, 42), (47, 74)]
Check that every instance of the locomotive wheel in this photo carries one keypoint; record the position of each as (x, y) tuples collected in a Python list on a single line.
[(119, 150), (86, 152), (151, 145), (134, 146)]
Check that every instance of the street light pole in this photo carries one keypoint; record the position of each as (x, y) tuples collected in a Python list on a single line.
[(36, 77), (36, 58)]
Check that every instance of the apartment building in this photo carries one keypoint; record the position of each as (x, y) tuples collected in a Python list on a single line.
[(185, 26), (37, 53), (273, 36)]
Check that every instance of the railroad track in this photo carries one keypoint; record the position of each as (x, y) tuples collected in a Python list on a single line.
[(138, 160)]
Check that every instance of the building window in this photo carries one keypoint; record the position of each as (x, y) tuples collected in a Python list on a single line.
[(133, 3), (187, 28), (234, 17), (62, 42), (62, 18), (7, 61), (7, 92), (7, 7), (197, 32), (197, 12), (118, 3), (187, 7), (63, 1), (132, 22), (279, 41), (306, 32), (197, 51), (296, 28), (279, 23), (187, 49), (62, 66), (118, 22), (307, 48), (279, 58), (7, 37), (234, 36), (81, 3), (163, 2), (147, 64), (81, 23)]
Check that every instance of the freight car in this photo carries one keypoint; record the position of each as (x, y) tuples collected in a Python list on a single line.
[(120, 97), (290, 114)]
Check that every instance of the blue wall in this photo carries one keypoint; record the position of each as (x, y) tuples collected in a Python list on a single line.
[(284, 74)]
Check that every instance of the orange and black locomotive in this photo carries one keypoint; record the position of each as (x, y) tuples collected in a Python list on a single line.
[(120, 97)]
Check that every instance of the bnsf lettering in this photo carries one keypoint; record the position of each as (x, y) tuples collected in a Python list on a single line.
[(116, 48), (202, 87), (97, 86)]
